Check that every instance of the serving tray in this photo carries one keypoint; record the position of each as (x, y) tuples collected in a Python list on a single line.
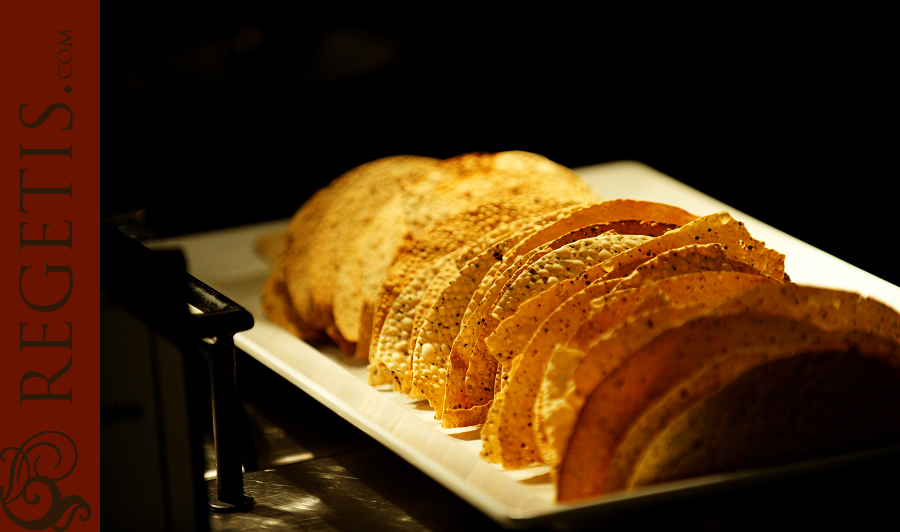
[(226, 260)]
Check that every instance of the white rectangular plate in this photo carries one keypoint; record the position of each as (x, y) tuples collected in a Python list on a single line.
[(226, 260)]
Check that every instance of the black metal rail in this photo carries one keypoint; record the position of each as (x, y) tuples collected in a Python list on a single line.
[(221, 318), (149, 284)]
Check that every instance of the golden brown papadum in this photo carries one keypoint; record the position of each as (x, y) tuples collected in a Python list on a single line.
[(341, 241), (278, 302), (597, 308), (570, 255), (509, 358), (392, 350), (278, 307), (485, 284), (465, 181), (442, 325), (832, 399), (364, 263), (326, 227), (517, 328), (718, 228), (627, 384), (468, 346), (474, 228), (684, 294), (441, 251), (640, 452), (454, 304)]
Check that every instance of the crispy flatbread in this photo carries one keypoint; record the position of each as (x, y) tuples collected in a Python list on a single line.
[(623, 375), (835, 398), (649, 447), (475, 227), (468, 350), (679, 297), (430, 358), (462, 182), (492, 223), (325, 228), (392, 351), (597, 308), (365, 262), (277, 306), (718, 228), (564, 262), (278, 303)]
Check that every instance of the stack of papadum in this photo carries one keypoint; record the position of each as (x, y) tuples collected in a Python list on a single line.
[(622, 343)]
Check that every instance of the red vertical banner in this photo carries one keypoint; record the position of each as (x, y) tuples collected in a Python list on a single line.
[(49, 271)]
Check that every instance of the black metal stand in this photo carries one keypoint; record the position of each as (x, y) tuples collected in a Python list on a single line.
[(221, 318), (148, 283)]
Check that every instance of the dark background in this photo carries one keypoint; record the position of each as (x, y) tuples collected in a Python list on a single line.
[(225, 116)]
